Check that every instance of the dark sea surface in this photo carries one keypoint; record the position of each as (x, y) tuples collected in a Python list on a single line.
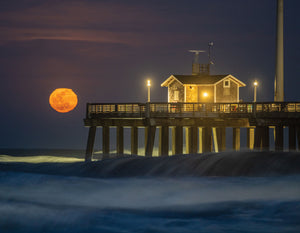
[(55, 191)]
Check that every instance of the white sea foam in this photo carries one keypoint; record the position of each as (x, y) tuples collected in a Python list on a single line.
[(38, 159)]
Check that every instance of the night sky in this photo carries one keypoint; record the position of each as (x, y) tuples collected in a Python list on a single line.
[(105, 51)]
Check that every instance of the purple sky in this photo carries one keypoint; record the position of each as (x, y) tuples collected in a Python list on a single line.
[(105, 51)]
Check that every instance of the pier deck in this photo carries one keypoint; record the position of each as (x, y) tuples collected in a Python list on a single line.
[(205, 124)]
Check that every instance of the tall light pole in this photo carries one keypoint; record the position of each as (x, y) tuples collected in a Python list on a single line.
[(279, 72), (148, 85), (255, 84)]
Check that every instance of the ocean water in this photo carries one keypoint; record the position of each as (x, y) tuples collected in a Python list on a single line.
[(37, 196)]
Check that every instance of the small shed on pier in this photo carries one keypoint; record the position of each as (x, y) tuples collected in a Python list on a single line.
[(203, 88)]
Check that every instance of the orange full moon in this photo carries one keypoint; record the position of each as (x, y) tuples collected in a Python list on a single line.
[(63, 100)]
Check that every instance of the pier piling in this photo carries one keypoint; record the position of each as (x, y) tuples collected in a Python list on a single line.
[(90, 144), (177, 140), (292, 138), (105, 141), (134, 140), (120, 140), (236, 140), (163, 141), (149, 140), (278, 138)]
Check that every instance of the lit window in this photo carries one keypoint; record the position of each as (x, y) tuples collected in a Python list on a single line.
[(226, 83)]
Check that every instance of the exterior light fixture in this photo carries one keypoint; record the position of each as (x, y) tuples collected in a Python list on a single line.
[(148, 85), (205, 94), (255, 86)]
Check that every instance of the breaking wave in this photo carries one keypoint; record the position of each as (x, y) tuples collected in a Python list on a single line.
[(214, 164)]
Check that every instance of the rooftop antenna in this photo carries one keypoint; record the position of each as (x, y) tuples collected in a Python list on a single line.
[(210, 46), (197, 68), (196, 58), (201, 69)]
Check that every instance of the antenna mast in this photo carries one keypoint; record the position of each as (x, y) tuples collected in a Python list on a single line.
[(202, 69), (210, 45)]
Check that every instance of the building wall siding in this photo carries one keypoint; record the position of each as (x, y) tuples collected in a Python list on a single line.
[(227, 96), (194, 93), (191, 94), (209, 90), (176, 86)]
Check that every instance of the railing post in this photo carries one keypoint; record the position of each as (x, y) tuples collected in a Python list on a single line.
[(147, 110)]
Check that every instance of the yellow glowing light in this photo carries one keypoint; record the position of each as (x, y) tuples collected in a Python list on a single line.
[(205, 94), (63, 100), (255, 83), (148, 83)]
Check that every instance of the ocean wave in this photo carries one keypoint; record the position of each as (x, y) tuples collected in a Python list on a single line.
[(46, 203), (214, 164)]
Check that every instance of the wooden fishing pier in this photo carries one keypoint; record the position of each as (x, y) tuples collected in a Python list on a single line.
[(205, 125)]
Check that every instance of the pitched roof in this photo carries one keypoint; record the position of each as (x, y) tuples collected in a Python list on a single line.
[(199, 79)]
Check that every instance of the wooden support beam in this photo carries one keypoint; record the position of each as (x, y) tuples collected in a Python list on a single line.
[(105, 141), (90, 144), (194, 139), (236, 139), (120, 140), (262, 138), (221, 137), (191, 140), (164, 141), (250, 138), (177, 140), (200, 150), (265, 138), (257, 138), (298, 137), (149, 140), (206, 139), (134, 140), (278, 138), (215, 139), (292, 138), (188, 138)]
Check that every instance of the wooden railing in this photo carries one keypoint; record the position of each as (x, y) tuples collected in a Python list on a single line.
[(141, 110)]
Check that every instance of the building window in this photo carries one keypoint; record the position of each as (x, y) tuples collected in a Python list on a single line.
[(226, 83), (176, 95)]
